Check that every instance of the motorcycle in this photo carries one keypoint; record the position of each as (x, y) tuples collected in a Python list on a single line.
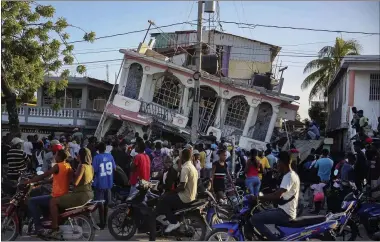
[(15, 218), (359, 211), (303, 228), (138, 213)]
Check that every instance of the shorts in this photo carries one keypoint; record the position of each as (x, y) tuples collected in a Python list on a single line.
[(103, 194), (74, 199)]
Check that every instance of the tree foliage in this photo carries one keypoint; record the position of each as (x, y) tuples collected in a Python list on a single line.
[(32, 46), (323, 69)]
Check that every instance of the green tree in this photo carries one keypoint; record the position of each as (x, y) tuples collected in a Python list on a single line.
[(324, 68), (32, 46)]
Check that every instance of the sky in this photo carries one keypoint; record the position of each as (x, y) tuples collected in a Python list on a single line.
[(107, 18)]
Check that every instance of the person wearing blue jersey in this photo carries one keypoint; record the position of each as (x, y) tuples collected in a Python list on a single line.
[(104, 167)]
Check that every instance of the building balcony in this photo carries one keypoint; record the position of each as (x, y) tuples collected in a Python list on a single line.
[(46, 116)]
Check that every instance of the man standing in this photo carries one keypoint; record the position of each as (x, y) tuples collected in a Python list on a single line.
[(140, 167), (184, 194), (287, 194), (361, 165), (104, 167), (324, 166), (17, 159)]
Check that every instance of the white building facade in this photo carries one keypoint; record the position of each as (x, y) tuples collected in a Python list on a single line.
[(356, 84), (155, 95)]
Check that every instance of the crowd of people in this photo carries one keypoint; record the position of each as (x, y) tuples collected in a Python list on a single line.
[(91, 167)]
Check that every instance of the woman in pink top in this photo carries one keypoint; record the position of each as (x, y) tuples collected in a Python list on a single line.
[(252, 169)]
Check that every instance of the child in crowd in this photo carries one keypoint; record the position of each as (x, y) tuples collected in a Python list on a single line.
[(318, 196)]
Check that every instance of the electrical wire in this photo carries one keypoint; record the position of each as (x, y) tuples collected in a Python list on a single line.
[(300, 28), (134, 31)]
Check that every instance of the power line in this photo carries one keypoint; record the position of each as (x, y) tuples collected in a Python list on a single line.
[(133, 32), (300, 28)]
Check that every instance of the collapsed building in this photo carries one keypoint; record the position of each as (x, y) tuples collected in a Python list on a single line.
[(156, 90)]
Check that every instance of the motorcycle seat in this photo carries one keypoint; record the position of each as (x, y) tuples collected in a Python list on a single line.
[(190, 206), (81, 206), (303, 221)]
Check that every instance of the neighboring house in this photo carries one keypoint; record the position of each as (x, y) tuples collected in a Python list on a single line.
[(81, 104), (155, 96), (225, 54), (356, 84)]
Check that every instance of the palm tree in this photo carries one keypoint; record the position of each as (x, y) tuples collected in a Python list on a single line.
[(324, 68)]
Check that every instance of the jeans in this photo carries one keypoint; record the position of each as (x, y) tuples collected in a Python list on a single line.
[(34, 206), (253, 184), (168, 204), (272, 216)]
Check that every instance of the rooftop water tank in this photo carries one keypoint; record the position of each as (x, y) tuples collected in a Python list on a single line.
[(209, 7)]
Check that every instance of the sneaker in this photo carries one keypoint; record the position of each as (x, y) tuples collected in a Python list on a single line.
[(172, 227)]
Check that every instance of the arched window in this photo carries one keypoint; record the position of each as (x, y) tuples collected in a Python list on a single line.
[(167, 92), (133, 85), (264, 116), (237, 112)]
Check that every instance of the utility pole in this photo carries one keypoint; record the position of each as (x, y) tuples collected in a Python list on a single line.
[(107, 73), (281, 79), (197, 76)]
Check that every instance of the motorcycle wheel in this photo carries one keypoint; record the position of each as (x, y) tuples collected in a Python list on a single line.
[(118, 220), (82, 220), (218, 234), (197, 223), (9, 223)]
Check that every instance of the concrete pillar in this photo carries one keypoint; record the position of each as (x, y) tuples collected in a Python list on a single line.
[(249, 120), (185, 100), (84, 97), (39, 96), (219, 119), (275, 110), (142, 88)]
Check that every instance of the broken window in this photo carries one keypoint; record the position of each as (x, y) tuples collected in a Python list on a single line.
[(133, 85), (207, 107), (261, 126), (167, 92), (237, 112)]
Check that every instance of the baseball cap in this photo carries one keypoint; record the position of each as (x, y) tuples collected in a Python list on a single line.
[(214, 146), (16, 141)]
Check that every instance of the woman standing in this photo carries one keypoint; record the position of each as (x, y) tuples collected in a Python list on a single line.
[(252, 170), (219, 172)]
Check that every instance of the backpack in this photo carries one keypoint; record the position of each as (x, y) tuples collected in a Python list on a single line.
[(157, 162)]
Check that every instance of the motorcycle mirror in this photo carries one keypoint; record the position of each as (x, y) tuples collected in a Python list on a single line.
[(336, 172), (40, 173)]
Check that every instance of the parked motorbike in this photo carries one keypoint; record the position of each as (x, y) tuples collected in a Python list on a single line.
[(73, 221), (139, 210), (303, 228), (358, 212)]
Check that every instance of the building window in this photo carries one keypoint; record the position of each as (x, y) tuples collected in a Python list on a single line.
[(133, 85), (374, 87), (167, 92), (237, 112)]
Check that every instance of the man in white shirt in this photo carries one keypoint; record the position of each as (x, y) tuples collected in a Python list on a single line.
[(28, 146), (286, 196)]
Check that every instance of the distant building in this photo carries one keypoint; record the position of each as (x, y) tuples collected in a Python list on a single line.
[(356, 84), (82, 104)]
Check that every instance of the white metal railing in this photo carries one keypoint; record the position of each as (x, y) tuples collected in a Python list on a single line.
[(73, 113)]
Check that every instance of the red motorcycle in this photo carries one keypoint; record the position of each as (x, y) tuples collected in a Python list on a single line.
[(75, 223)]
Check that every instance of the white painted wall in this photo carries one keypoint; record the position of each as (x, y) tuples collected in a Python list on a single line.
[(126, 103), (361, 101)]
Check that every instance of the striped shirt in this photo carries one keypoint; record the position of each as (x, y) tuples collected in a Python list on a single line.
[(17, 162)]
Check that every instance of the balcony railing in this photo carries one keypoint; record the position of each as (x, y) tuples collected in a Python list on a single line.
[(74, 116), (158, 111)]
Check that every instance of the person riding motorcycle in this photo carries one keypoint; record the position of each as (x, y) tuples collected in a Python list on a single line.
[(184, 194), (62, 174), (286, 196)]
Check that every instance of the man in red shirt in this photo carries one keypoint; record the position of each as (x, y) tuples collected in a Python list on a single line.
[(140, 167)]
